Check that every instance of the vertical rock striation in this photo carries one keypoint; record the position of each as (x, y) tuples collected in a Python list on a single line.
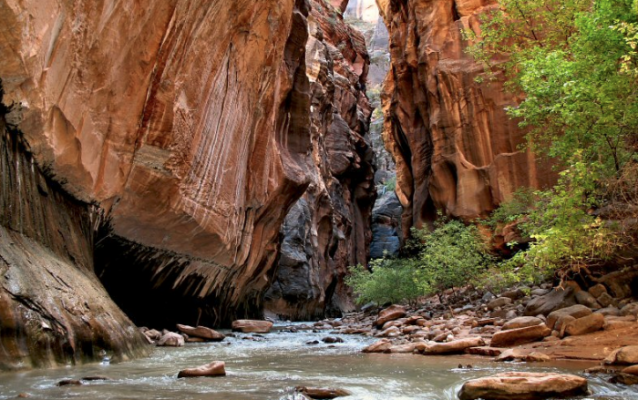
[(328, 229), (454, 146), (53, 309), (179, 131)]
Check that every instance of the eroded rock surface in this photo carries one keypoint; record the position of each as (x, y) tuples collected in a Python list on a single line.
[(454, 146), (185, 122), (328, 229)]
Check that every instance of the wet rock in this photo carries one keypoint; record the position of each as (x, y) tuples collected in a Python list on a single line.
[(322, 393), (392, 331), (252, 326), (332, 339), (382, 346), (521, 322), (216, 368), (523, 386), (455, 346), (576, 311), (69, 382), (625, 379), (514, 337), (312, 342), (171, 339), (201, 332), (554, 300), (390, 314), (584, 325), (484, 351), (95, 378)]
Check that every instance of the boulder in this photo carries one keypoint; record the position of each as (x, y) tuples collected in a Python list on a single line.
[(633, 370), (627, 355), (514, 294), (332, 339), (629, 309), (514, 337), (251, 326), (390, 314), (521, 322), (605, 300), (216, 368), (609, 311), (455, 346), (584, 325), (153, 334), (556, 299), (523, 386), (576, 311), (322, 393), (586, 299), (499, 302), (392, 331), (382, 346), (171, 339), (201, 332), (406, 348), (597, 290)]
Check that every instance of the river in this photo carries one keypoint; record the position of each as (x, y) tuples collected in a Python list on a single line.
[(271, 367)]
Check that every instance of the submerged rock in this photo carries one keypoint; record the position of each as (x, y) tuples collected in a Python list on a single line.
[(322, 393), (216, 368), (252, 326), (523, 386)]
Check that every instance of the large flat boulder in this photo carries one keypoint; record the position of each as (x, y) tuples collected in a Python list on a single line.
[(455, 346), (201, 332), (514, 337), (521, 322), (216, 368), (390, 314), (523, 386), (584, 325), (252, 326)]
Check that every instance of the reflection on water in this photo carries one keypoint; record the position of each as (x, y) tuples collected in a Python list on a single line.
[(270, 368)]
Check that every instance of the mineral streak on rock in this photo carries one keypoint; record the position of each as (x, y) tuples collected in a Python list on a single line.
[(454, 146), (177, 129), (328, 229)]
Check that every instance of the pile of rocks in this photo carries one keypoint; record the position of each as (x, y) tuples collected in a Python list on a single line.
[(189, 334), (484, 324)]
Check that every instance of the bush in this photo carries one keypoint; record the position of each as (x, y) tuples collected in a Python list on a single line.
[(452, 255)]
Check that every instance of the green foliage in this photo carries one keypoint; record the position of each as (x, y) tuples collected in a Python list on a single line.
[(513, 209), (391, 184), (391, 280), (452, 255), (575, 63)]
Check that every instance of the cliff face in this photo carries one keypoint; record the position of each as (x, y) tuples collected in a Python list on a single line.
[(454, 146), (328, 229), (183, 124)]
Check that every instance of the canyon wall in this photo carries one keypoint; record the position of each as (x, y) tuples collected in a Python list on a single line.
[(454, 146), (177, 135), (328, 229)]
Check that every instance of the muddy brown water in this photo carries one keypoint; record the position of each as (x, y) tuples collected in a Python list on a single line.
[(272, 367)]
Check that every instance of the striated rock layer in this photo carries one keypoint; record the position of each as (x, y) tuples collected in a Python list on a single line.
[(53, 309), (328, 229), (454, 146), (183, 125)]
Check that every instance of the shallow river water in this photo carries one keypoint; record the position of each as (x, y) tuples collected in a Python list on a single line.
[(271, 368)]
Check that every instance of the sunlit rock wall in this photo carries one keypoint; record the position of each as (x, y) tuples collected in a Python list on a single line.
[(454, 146)]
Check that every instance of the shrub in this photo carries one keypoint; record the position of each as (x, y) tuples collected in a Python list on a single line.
[(452, 255)]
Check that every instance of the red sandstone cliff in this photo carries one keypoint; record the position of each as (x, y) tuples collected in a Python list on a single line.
[(183, 125), (454, 146), (328, 229)]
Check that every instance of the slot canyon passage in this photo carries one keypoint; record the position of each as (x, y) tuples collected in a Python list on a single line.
[(186, 185)]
